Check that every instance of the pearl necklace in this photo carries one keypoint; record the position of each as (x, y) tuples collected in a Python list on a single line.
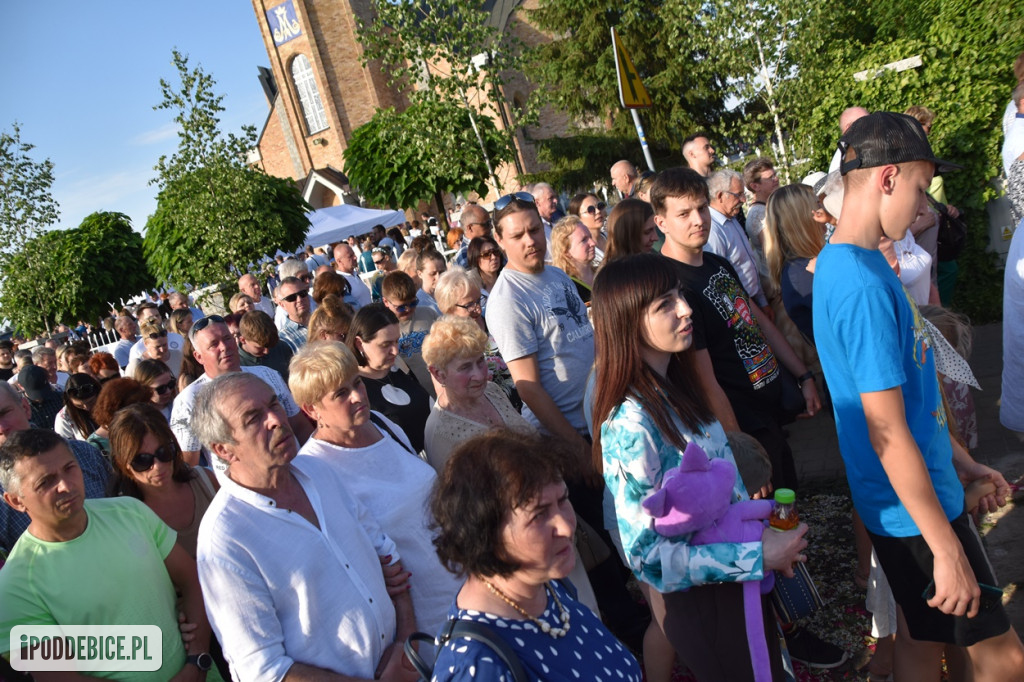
[(545, 627)]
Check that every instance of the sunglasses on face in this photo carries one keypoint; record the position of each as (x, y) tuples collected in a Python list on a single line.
[(164, 388), (203, 324), (83, 392), (492, 253), (378, 262), (291, 298), (144, 460), (157, 335), (504, 201), (472, 305), (406, 307), (594, 208)]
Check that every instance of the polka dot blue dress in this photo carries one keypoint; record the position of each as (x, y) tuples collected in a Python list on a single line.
[(587, 652)]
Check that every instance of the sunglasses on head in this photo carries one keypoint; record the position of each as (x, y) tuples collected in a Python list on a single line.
[(203, 324), (594, 208), (157, 335), (164, 388), (504, 201), (144, 460), (83, 392), (291, 298), (406, 307)]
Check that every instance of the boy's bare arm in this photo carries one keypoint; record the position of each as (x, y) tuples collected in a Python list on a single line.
[(956, 589)]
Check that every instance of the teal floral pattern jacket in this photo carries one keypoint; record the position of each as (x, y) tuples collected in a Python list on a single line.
[(635, 457)]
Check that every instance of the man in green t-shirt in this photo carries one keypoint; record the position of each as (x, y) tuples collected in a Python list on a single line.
[(93, 562)]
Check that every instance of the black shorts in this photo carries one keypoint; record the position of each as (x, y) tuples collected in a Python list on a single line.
[(908, 565)]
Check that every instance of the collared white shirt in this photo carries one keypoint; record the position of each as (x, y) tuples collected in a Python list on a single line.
[(265, 305), (728, 240), (281, 591)]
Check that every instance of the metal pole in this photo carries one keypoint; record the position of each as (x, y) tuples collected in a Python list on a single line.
[(643, 138)]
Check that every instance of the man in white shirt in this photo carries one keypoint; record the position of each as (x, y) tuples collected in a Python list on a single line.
[(250, 286), (216, 350), (346, 262), (128, 330), (727, 237), (329, 615)]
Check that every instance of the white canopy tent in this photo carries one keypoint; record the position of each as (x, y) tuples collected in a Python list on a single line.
[(336, 223)]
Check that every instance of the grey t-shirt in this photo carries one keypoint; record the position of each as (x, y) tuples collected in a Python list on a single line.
[(542, 314)]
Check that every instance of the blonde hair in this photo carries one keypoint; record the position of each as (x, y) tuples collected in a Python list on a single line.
[(332, 316), (236, 300), (790, 229), (956, 328), (453, 285), (319, 368), (407, 262), (561, 240), (924, 115), (451, 338)]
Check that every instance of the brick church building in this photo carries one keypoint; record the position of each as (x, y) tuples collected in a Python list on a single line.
[(319, 93)]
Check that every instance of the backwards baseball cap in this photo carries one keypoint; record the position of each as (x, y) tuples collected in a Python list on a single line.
[(35, 383), (882, 138)]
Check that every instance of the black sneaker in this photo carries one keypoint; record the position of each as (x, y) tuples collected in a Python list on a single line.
[(812, 651)]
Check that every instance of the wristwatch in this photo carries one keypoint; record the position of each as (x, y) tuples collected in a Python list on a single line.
[(202, 661), (804, 377)]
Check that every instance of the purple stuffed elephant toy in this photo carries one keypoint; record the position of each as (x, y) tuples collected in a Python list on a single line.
[(697, 498)]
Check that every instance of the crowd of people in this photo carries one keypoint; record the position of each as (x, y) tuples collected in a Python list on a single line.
[(417, 431)]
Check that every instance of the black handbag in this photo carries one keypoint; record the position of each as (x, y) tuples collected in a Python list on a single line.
[(464, 628), (952, 232)]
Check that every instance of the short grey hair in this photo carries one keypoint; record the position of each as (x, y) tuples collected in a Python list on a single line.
[(721, 181), (40, 351), (292, 268), (209, 424), (541, 187), (453, 285)]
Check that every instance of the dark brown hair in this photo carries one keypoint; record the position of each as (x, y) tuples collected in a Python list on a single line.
[(623, 290), (81, 418), (626, 228), (486, 478), (127, 431), (369, 320), (329, 283), (677, 182)]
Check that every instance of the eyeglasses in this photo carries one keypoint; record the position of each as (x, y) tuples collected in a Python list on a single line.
[(291, 298), (157, 335), (738, 195), (594, 208), (83, 392), (490, 253), (164, 388), (773, 176), (144, 460), (203, 324), (405, 307), (472, 305), (504, 201)]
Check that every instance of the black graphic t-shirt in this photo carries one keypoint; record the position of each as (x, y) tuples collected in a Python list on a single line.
[(723, 323)]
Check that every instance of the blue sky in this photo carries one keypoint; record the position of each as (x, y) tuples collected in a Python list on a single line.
[(81, 79)]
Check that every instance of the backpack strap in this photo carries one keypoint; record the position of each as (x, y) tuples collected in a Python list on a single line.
[(380, 424), (458, 627)]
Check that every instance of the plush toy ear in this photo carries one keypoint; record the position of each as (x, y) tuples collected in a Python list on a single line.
[(694, 458), (656, 504)]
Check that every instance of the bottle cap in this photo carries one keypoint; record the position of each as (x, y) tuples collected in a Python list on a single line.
[(785, 496)]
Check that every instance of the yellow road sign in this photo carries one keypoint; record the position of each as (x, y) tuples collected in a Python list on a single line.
[(632, 92)]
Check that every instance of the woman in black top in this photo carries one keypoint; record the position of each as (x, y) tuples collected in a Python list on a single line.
[(393, 391)]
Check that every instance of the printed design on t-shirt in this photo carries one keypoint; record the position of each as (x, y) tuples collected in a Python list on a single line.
[(411, 344), (564, 303), (921, 341), (728, 298)]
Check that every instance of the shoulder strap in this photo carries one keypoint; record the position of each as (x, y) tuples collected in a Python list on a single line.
[(458, 627), (204, 480), (380, 424)]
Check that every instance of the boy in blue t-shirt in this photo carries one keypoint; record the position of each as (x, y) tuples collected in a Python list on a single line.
[(904, 470)]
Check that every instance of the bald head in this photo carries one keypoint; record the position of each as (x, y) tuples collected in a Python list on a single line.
[(623, 176), (850, 115)]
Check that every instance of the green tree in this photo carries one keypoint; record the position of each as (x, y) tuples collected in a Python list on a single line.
[(445, 51), (575, 71), (393, 163), (76, 274), (27, 211), (213, 210)]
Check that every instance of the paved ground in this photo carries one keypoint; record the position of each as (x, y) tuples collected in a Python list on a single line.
[(816, 450)]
